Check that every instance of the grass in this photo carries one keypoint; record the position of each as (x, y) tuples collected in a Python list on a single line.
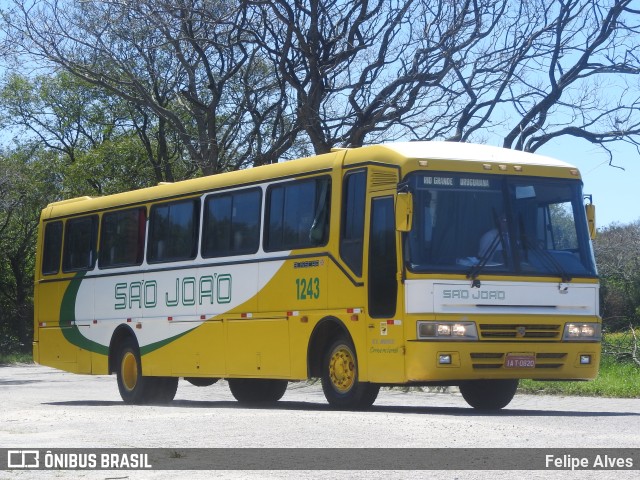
[(9, 358), (619, 375), (616, 380)]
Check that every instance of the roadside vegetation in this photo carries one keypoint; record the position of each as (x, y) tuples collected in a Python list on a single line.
[(13, 358), (616, 380), (619, 372)]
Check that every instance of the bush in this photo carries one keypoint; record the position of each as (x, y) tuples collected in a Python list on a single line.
[(622, 346), (9, 342)]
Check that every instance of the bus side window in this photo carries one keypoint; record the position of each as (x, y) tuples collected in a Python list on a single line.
[(297, 214), (52, 248), (80, 244), (122, 238), (231, 223), (173, 231), (352, 230)]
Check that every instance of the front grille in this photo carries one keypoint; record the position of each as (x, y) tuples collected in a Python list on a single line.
[(487, 355), (551, 355), (519, 332)]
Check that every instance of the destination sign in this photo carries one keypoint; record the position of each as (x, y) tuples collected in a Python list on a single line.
[(443, 181)]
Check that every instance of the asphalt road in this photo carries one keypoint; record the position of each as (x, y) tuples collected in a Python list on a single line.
[(48, 409)]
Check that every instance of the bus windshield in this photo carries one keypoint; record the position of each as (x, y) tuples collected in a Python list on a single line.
[(498, 224)]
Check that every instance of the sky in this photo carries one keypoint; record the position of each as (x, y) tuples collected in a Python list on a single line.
[(616, 192)]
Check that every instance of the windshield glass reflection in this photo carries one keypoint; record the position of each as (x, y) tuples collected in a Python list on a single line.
[(498, 224)]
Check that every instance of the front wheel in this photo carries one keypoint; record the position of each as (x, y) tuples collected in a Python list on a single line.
[(257, 390), (340, 383), (489, 394)]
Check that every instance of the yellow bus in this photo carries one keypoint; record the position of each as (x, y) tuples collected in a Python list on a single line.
[(416, 263)]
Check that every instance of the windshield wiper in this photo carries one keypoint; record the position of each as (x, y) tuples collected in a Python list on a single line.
[(550, 261), (545, 255), (488, 253)]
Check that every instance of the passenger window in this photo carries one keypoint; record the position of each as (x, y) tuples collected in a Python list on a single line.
[(80, 244), (352, 232), (298, 214), (173, 231), (231, 224), (122, 238), (52, 250)]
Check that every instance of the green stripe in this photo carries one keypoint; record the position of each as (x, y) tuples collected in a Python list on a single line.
[(155, 346), (68, 318), (72, 333)]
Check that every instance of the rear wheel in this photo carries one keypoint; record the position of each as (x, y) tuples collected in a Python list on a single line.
[(340, 383), (133, 386), (489, 394), (257, 390)]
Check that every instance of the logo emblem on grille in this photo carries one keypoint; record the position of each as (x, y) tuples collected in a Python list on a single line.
[(521, 332)]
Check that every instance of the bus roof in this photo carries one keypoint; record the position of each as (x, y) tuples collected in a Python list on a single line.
[(472, 152), (391, 153)]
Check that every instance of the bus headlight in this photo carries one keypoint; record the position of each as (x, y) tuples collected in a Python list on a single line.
[(582, 332), (428, 330)]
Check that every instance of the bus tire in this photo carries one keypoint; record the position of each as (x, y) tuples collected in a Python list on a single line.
[(164, 389), (201, 381), (257, 390), (489, 394), (340, 383), (133, 386)]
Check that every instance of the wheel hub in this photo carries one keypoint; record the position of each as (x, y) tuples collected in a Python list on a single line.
[(129, 371), (342, 369)]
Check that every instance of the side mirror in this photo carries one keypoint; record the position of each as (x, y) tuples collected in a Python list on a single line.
[(404, 211), (590, 209)]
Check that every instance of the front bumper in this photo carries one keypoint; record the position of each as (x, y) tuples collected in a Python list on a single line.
[(487, 360)]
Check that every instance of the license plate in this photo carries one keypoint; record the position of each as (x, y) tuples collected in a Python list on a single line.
[(520, 360)]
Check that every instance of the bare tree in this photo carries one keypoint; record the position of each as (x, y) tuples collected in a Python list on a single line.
[(584, 43), (524, 72), (186, 61), (551, 69), (369, 70), (238, 83)]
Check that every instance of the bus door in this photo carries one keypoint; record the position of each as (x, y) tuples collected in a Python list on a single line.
[(385, 337)]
